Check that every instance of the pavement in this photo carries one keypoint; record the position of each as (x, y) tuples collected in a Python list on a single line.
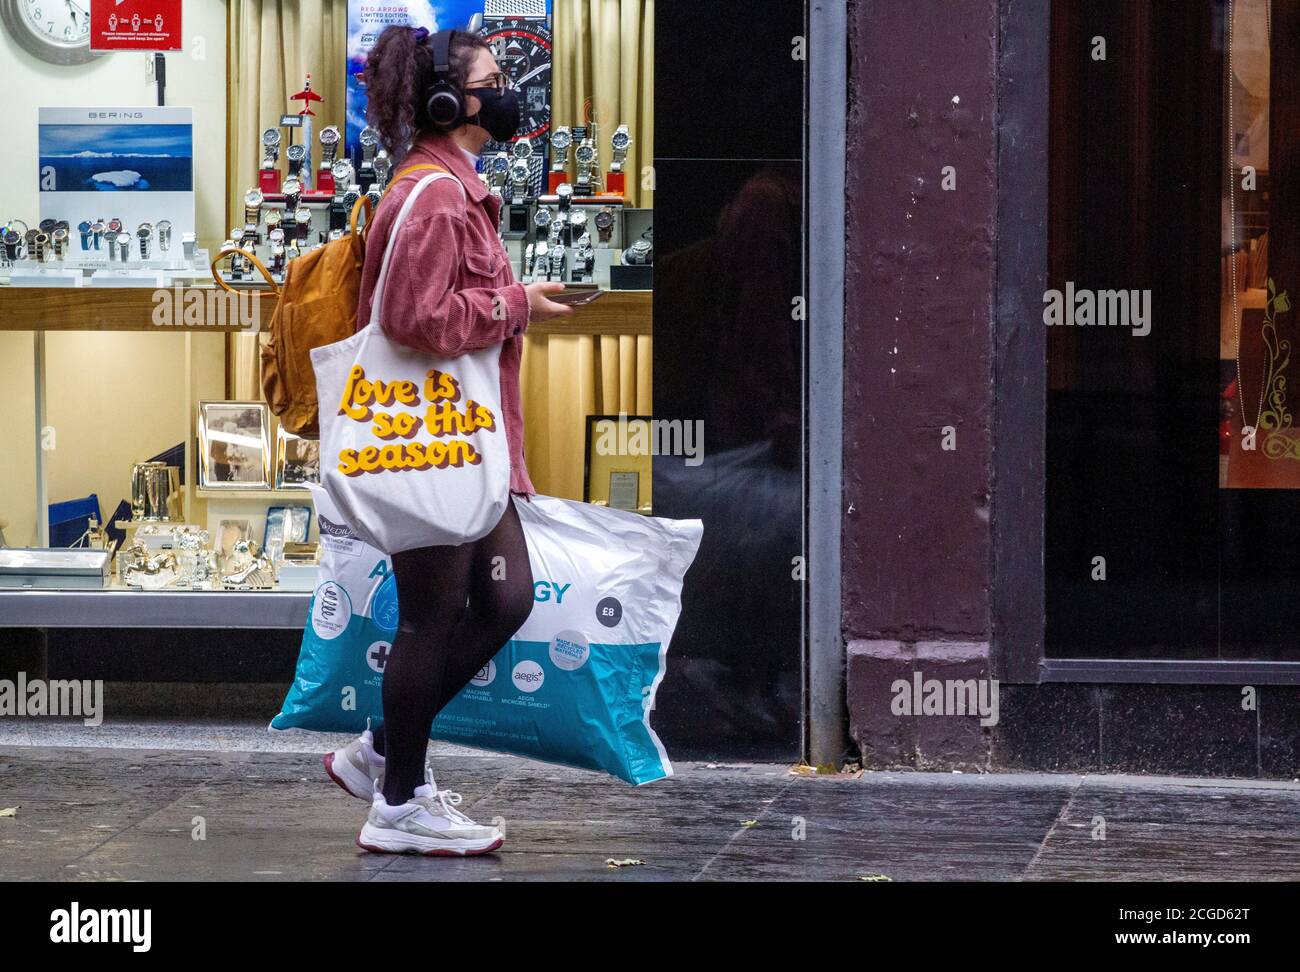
[(169, 800)]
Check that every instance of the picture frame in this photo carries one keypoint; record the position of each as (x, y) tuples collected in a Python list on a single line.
[(234, 445), (286, 524), (613, 477), (229, 532), (297, 460)]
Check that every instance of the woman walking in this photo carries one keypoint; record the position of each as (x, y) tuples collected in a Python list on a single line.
[(435, 100)]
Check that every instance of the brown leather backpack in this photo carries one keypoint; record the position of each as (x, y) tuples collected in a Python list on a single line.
[(317, 306)]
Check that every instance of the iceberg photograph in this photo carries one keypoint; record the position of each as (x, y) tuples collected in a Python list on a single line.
[(116, 158)]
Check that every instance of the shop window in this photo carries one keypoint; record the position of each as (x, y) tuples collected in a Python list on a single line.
[(144, 431), (1173, 459)]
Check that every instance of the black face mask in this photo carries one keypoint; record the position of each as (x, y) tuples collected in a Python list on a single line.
[(499, 113)]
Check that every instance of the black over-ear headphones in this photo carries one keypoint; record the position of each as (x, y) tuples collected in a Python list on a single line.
[(446, 103)]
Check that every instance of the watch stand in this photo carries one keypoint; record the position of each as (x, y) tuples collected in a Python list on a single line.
[(635, 277), (36, 275), (129, 277)]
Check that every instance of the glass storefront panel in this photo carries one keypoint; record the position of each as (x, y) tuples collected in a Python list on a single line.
[(1171, 471), (158, 425)]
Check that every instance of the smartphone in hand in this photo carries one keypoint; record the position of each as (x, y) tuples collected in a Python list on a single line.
[(576, 298)]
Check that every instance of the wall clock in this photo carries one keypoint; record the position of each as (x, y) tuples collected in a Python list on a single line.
[(57, 31)]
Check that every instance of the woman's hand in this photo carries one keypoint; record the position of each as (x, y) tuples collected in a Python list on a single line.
[(541, 309)]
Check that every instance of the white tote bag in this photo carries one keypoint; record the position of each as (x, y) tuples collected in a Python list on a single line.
[(413, 445)]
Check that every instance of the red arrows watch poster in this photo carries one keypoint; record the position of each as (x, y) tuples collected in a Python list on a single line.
[(135, 25)]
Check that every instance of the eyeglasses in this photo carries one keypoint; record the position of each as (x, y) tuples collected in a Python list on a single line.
[(499, 80)]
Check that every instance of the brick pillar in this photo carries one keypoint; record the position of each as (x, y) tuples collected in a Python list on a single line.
[(918, 367)]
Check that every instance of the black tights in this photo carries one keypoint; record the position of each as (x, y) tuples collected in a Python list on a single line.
[(458, 606)]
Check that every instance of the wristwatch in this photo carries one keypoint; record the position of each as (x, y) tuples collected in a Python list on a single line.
[(115, 225), (189, 241), (296, 154), (541, 265), (144, 233), (526, 271), (124, 246), (561, 140), (555, 229), (586, 156), (604, 224), (520, 177), (565, 194), (343, 175), (621, 141), (542, 219), (59, 238), (235, 259), (277, 256), (329, 145), (288, 225), (273, 219), (111, 239), (369, 140), (253, 207), (292, 190), (586, 256), (350, 197), (164, 228), (374, 193), (578, 218), (498, 167), (302, 218), (557, 263), (522, 149), (37, 248), (97, 232), (383, 167), (271, 143), (83, 229), (12, 241), (640, 253)]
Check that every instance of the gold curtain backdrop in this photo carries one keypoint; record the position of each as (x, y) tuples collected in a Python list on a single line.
[(603, 70)]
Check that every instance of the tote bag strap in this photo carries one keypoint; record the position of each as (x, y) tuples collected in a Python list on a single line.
[(376, 300)]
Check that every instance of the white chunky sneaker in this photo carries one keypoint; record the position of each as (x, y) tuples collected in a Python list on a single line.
[(428, 823), (356, 766)]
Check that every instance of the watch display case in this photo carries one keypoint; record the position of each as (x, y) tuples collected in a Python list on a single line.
[(139, 443)]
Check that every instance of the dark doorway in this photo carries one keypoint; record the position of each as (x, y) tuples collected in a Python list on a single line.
[(729, 150)]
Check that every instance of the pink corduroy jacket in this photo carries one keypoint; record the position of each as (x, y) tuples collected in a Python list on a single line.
[(448, 272)]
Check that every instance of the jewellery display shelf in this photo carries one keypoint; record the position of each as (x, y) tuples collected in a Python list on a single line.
[(131, 309), (40, 310), (77, 272)]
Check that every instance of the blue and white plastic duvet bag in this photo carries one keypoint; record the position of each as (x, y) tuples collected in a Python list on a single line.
[(575, 685)]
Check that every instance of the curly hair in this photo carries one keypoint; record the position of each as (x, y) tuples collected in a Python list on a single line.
[(397, 75)]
